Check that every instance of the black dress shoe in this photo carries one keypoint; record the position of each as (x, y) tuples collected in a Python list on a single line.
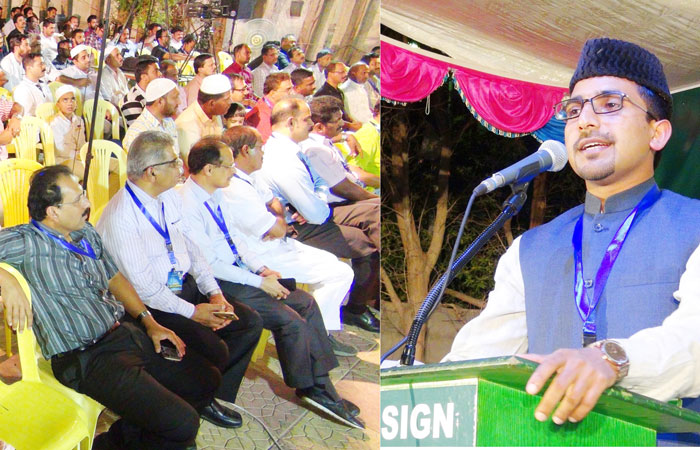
[(351, 407), (320, 399), (221, 416), (366, 320)]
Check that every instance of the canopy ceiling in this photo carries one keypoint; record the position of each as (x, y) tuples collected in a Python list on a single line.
[(539, 40)]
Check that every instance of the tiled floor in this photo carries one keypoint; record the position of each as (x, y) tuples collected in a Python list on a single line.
[(274, 418)]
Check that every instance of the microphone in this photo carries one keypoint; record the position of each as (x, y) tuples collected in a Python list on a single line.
[(550, 156)]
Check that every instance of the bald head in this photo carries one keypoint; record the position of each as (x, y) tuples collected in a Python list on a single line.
[(292, 118)]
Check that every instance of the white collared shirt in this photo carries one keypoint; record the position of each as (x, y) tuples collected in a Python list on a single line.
[(13, 69), (147, 121), (211, 239), (326, 159), (356, 101), (259, 75), (30, 95), (69, 136), (49, 47), (113, 86), (73, 72), (319, 76), (291, 181), (140, 252)]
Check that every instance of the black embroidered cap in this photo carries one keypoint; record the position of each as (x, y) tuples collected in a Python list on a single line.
[(611, 57)]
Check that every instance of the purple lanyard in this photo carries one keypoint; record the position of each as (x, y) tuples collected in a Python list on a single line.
[(586, 310), (85, 248), (221, 223), (162, 231)]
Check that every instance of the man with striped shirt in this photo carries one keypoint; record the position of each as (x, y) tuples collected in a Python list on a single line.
[(78, 302), (134, 101)]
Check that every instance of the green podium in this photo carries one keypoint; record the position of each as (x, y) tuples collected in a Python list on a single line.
[(484, 403)]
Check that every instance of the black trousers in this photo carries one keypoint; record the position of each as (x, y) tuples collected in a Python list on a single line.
[(348, 242), (157, 399), (297, 325), (229, 349)]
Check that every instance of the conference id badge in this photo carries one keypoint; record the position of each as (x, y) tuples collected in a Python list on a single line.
[(175, 281)]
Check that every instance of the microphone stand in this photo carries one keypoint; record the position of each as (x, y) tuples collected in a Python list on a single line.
[(510, 208)]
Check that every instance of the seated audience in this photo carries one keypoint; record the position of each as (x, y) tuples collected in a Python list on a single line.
[(113, 86), (11, 64), (134, 101), (32, 91), (303, 347), (143, 230), (278, 85), (204, 66), (269, 55), (357, 103), (161, 98), (79, 298), (68, 131), (79, 74)]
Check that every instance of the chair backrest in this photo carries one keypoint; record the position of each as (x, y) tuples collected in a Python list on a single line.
[(144, 51), (48, 144), (45, 111), (102, 107), (5, 94), (14, 189), (54, 85), (95, 214), (225, 60), (98, 178), (29, 134)]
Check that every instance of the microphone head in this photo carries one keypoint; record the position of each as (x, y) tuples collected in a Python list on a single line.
[(557, 151)]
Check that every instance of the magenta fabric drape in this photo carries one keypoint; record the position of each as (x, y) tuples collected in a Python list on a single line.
[(509, 105), (506, 104), (407, 76)]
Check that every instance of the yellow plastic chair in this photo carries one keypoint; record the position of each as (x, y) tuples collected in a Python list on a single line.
[(225, 60), (102, 107), (260, 348), (5, 94), (46, 111), (95, 215), (26, 145), (39, 412), (14, 191), (98, 179)]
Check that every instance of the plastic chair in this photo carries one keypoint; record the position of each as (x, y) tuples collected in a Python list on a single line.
[(26, 145), (260, 348), (5, 94), (46, 111), (39, 412), (95, 215), (98, 178), (102, 107), (14, 191), (225, 60)]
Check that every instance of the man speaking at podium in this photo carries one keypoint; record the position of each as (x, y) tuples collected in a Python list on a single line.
[(608, 292)]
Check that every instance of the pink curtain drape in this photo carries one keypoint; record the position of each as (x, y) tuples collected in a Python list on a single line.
[(409, 77), (506, 104)]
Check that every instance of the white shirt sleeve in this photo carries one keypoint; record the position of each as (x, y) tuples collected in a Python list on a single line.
[(665, 360), (501, 328)]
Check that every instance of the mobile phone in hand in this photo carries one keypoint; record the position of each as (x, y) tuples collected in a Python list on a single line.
[(289, 283), (169, 352), (228, 315)]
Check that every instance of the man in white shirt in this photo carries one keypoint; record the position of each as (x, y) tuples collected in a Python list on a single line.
[(290, 177), (68, 131), (269, 58), (356, 97), (113, 86), (11, 64), (80, 75), (32, 91), (304, 350), (144, 231), (49, 44), (161, 103), (296, 60), (10, 24)]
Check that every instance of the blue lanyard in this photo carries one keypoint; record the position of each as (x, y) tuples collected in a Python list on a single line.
[(163, 232), (242, 179), (85, 248), (585, 309), (219, 219)]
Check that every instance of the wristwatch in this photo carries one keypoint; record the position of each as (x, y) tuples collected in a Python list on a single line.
[(614, 353)]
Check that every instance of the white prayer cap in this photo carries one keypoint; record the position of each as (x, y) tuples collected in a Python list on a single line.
[(79, 48), (215, 84), (158, 88), (110, 48), (63, 90)]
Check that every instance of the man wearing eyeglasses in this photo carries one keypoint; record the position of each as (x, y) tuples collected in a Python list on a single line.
[(79, 298), (593, 295), (143, 229)]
